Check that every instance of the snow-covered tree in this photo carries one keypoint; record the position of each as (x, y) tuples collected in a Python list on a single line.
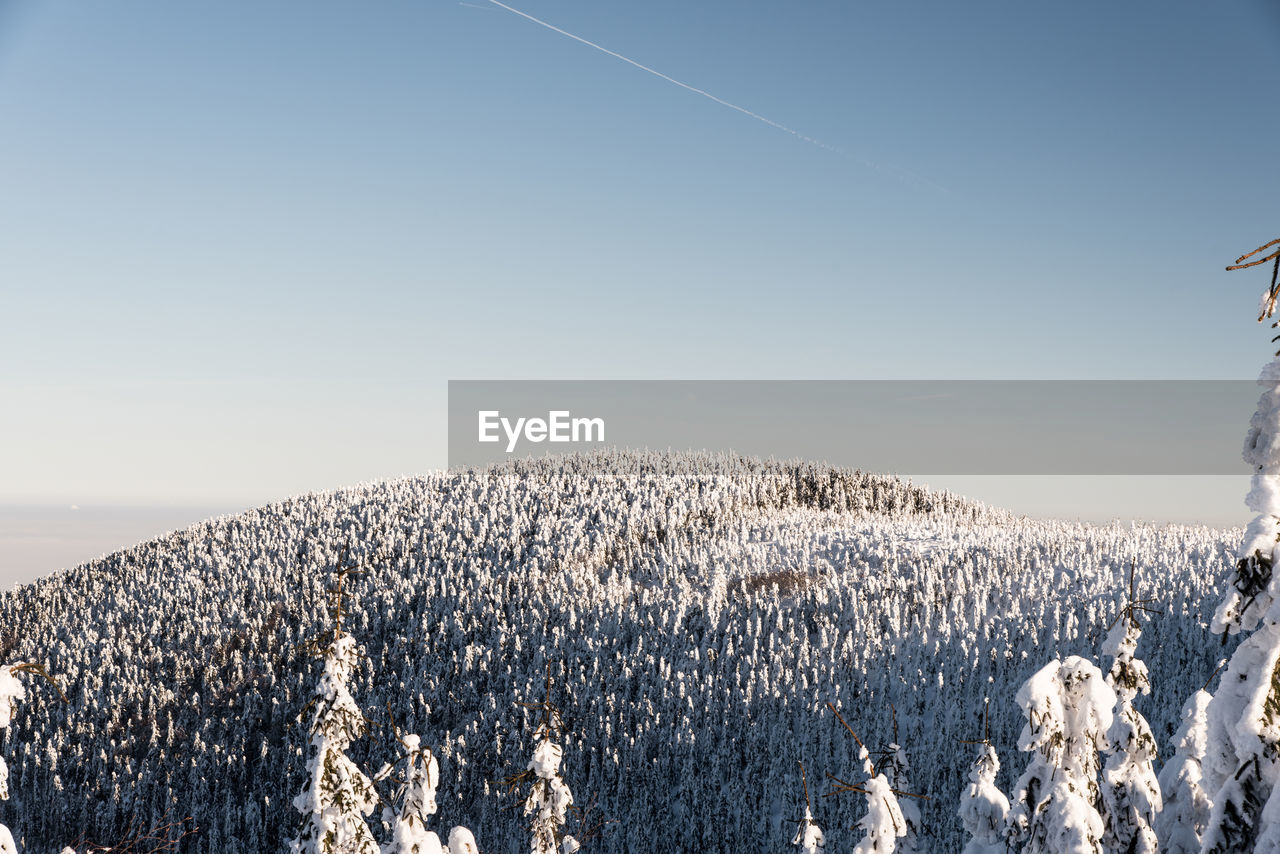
[(1186, 805), (176, 705), (1130, 791), (549, 797), (1068, 706), (809, 837), (983, 807), (897, 772), (414, 802), (338, 795), (1242, 754), (1243, 738), (12, 692), (884, 823), (462, 842)]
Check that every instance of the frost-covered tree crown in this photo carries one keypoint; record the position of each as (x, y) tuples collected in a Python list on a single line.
[(12, 693), (338, 794), (546, 798), (1240, 766), (1068, 708), (896, 767), (809, 837), (1131, 794), (1185, 815), (884, 826), (983, 807), (414, 799)]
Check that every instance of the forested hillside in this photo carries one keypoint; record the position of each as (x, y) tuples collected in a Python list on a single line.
[(697, 615)]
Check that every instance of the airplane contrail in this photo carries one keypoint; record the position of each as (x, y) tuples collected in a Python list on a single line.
[(656, 73)]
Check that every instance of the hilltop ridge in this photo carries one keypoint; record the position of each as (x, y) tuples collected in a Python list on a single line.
[(697, 613)]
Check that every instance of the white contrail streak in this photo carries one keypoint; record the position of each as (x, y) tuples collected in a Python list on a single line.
[(694, 89)]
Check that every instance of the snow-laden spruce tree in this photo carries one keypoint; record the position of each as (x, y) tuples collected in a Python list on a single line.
[(338, 795), (462, 842), (884, 823), (1186, 806), (1243, 742), (1130, 791), (983, 807), (12, 692), (1068, 709), (414, 802), (897, 771), (809, 837), (548, 798)]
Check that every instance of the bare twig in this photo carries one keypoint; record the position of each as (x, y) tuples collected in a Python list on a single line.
[(846, 786), (1133, 604), (1269, 304), (1240, 266), (986, 726), (34, 669), (846, 725), (589, 829), (1216, 671), (159, 839)]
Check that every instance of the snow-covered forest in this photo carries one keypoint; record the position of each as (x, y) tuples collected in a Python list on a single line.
[(697, 615)]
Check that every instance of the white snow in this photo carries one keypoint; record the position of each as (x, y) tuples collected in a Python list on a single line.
[(12, 692), (338, 794), (809, 835), (884, 824), (983, 807), (415, 802), (1130, 792), (462, 842), (1068, 709), (1186, 808), (549, 799)]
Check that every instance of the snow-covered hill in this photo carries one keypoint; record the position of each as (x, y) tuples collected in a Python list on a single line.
[(697, 614)]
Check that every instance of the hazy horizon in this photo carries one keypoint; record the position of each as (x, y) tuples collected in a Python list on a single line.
[(39, 539)]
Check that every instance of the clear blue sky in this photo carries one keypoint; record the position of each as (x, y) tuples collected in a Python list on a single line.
[(243, 246)]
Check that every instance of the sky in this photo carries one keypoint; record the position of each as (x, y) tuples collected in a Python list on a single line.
[(244, 246)]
